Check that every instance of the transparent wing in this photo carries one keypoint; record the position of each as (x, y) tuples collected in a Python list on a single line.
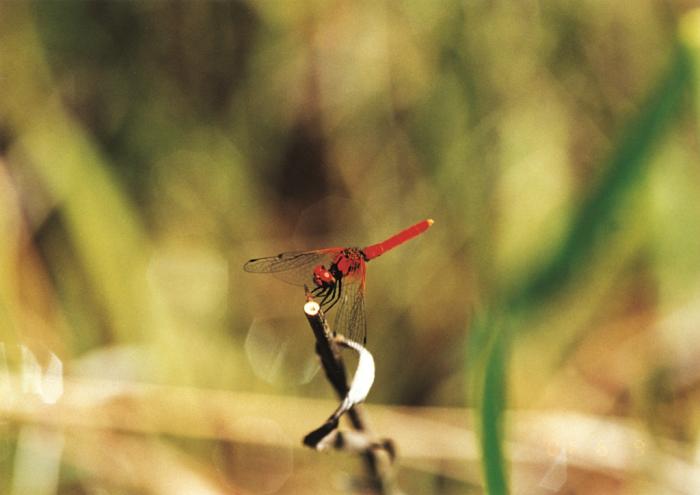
[(350, 320), (294, 268)]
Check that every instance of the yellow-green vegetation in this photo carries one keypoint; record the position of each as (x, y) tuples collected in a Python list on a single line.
[(542, 337)]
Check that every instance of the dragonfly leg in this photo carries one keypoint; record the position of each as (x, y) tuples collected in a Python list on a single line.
[(329, 293), (336, 295), (323, 292), (337, 290)]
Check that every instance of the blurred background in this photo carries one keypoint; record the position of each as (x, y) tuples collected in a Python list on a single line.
[(149, 148)]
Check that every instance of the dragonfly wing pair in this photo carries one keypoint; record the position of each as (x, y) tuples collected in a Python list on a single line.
[(297, 268), (327, 271)]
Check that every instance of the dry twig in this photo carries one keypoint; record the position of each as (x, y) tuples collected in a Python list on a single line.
[(378, 454)]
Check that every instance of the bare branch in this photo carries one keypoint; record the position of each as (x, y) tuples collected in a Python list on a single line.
[(378, 455)]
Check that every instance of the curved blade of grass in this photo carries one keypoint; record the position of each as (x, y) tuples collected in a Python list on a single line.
[(493, 403), (626, 165)]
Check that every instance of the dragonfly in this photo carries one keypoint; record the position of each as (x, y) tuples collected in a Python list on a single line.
[(336, 276)]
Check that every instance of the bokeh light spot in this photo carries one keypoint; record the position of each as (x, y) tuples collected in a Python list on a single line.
[(279, 352)]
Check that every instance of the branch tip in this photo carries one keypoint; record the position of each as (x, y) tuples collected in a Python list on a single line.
[(312, 308)]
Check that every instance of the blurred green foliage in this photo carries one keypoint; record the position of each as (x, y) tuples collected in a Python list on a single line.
[(149, 148)]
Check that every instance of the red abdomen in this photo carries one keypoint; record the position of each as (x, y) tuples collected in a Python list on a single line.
[(378, 249)]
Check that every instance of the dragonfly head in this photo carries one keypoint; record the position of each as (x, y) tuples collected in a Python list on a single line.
[(323, 276)]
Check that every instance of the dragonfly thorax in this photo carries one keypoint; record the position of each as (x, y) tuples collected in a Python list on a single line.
[(349, 260)]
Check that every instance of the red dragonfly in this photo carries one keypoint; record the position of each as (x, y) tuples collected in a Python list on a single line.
[(337, 276)]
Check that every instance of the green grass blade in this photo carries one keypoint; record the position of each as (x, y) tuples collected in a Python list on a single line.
[(626, 165), (590, 226), (491, 416)]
